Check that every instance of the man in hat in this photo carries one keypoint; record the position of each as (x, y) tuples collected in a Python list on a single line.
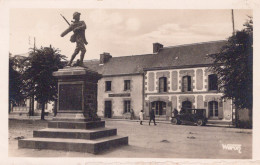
[(78, 27)]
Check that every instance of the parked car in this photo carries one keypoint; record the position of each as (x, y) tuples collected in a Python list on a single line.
[(190, 116)]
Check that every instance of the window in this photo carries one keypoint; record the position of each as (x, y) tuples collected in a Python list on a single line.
[(163, 84), (108, 85), (127, 106), (127, 85), (159, 107), (186, 84), (213, 82)]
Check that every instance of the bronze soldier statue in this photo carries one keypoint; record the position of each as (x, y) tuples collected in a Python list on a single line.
[(78, 27)]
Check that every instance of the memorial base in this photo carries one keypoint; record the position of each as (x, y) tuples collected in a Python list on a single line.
[(73, 117), (76, 126), (91, 137)]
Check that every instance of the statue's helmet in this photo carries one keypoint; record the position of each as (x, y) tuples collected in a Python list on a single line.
[(76, 14)]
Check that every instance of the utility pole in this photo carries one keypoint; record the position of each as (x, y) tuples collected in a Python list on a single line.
[(31, 108), (233, 24)]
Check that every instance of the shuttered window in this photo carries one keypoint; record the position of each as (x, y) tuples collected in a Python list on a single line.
[(163, 84), (186, 84)]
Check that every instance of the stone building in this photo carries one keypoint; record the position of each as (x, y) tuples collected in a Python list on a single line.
[(167, 79), (180, 77)]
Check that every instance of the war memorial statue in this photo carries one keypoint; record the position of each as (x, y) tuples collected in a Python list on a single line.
[(78, 27), (76, 126)]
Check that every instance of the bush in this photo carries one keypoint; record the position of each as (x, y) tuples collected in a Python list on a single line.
[(245, 124)]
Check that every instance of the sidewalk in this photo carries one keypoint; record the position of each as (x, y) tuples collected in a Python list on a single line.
[(210, 123), (50, 117), (17, 117)]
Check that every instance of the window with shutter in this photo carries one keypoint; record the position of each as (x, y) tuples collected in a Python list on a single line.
[(186, 83), (163, 84)]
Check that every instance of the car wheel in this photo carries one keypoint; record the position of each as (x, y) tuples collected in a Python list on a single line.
[(200, 122), (174, 121)]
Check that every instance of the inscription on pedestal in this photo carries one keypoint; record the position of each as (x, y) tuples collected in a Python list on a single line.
[(70, 97)]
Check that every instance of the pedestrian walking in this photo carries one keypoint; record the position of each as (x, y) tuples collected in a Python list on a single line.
[(141, 117), (152, 117)]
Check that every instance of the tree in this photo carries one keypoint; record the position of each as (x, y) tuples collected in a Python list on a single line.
[(15, 83), (234, 67), (38, 78)]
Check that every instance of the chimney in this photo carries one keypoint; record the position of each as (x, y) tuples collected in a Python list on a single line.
[(104, 58), (156, 47)]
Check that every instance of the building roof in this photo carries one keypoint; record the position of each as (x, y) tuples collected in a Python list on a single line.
[(94, 65), (175, 56), (187, 55)]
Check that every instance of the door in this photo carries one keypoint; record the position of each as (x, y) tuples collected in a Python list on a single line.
[(213, 109), (108, 109), (186, 104), (159, 108), (186, 114)]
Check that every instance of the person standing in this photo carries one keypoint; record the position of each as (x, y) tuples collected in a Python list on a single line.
[(175, 112), (132, 114), (152, 117), (141, 116)]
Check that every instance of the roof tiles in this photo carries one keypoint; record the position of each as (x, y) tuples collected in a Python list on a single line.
[(175, 56)]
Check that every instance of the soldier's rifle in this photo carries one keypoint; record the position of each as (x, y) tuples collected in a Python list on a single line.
[(65, 20), (69, 29)]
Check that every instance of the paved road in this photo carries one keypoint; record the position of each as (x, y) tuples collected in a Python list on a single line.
[(161, 141)]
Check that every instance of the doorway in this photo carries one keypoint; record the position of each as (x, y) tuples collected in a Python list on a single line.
[(108, 109), (159, 107), (186, 104), (213, 109)]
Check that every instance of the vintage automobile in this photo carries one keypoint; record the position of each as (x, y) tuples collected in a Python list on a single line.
[(190, 116)]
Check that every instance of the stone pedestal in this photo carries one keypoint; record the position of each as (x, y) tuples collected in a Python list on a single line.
[(76, 126), (77, 93)]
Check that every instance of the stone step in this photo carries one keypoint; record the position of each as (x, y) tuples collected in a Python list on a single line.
[(76, 125), (76, 145), (75, 133)]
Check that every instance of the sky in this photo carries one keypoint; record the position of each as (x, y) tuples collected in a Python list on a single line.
[(121, 32)]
